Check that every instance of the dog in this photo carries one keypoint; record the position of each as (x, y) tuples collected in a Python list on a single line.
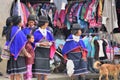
[(118, 67), (107, 69)]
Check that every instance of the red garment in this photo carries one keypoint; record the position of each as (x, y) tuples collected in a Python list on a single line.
[(77, 50), (30, 50), (84, 53)]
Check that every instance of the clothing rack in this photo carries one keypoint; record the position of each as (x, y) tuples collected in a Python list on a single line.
[(35, 1), (94, 33), (101, 35)]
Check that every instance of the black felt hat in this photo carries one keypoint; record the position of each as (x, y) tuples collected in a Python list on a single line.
[(43, 19), (32, 17), (76, 26)]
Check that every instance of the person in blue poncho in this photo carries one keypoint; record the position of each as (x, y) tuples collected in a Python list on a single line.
[(74, 49), (30, 26), (16, 64), (6, 31), (44, 49)]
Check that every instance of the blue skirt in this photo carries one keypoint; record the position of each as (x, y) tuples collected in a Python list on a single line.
[(79, 63)]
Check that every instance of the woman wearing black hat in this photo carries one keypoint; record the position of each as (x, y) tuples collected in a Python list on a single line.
[(74, 48), (16, 41), (44, 42), (31, 25)]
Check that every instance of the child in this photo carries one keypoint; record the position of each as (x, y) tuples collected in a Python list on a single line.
[(73, 49), (29, 61)]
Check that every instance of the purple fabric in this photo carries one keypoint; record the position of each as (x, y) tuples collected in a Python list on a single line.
[(38, 36), (27, 30), (71, 45), (72, 12), (18, 42)]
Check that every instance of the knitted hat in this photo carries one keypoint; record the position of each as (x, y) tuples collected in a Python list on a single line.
[(16, 20), (43, 19), (32, 17)]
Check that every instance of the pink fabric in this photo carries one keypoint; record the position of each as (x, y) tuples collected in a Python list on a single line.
[(55, 18), (62, 16), (28, 74), (88, 14), (52, 51), (109, 52), (94, 23), (25, 13)]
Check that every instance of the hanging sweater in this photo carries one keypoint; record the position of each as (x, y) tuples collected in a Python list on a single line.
[(109, 18)]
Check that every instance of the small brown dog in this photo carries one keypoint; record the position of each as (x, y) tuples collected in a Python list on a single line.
[(106, 70)]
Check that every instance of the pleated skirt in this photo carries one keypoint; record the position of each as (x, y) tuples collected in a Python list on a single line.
[(16, 66), (42, 61), (79, 63)]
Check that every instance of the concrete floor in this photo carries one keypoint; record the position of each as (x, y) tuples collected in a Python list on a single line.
[(50, 77)]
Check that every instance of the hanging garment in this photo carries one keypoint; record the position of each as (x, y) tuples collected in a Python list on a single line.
[(101, 53), (86, 40), (100, 49), (100, 8), (93, 22), (83, 24), (93, 46), (20, 9), (108, 50), (60, 4), (88, 14), (69, 15), (50, 14), (84, 9), (109, 18)]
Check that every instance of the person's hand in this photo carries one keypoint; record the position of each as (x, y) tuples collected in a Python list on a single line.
[(28, 55), (45, 44), (84, 58)]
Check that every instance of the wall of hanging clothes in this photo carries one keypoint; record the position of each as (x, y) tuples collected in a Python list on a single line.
[(88, 13)]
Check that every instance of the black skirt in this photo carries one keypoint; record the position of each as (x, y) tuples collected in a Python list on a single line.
[(16, 66), (42, 61)]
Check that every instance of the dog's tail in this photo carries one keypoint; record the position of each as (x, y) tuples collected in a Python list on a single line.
[(97, 65)]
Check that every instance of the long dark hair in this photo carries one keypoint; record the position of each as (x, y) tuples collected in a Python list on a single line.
[(7, 29), (15, 21)]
